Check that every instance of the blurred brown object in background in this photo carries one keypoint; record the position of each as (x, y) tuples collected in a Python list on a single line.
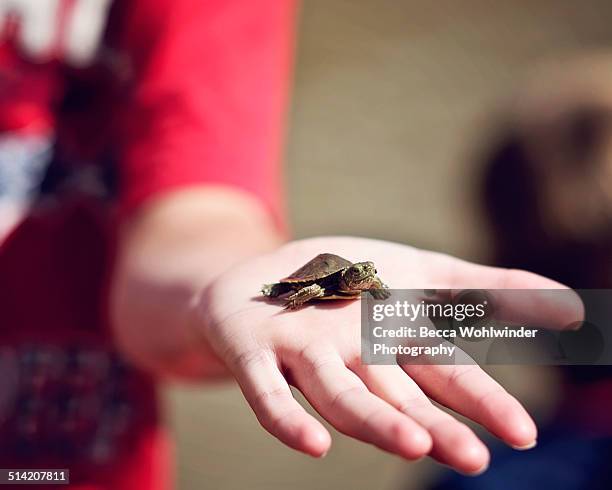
[(547, 189), (547, 196)]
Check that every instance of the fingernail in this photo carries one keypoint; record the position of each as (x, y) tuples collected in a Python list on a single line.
[(479, 471), (531, 445)]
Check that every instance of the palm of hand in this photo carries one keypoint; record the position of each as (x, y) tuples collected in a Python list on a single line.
[(317, 349)]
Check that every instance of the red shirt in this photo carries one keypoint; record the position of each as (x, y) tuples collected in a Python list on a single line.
[(177, 93)]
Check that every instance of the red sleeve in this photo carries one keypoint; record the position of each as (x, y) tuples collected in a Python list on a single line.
[(211, 82)]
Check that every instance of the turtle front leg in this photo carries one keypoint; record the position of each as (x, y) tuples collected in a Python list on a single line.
[(379, 290), (303, 295)]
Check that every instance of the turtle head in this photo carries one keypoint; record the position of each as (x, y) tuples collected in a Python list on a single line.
[(359, 276)]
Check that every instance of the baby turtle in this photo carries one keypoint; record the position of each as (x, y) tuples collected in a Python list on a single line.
[(328, 276)]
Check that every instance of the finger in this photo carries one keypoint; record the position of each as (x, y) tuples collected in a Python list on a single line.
[(454, 443), (344, 401), (533, 299), (270, 397), (473, 393)]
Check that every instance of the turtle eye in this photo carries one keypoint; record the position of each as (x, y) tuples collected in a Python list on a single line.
[(375, 271)]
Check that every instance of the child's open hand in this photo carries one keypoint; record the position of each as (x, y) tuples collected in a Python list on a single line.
[(317, 349)]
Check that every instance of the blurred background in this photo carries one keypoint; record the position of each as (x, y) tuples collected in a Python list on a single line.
[(392, 103)]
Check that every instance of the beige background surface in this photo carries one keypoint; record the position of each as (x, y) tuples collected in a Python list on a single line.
[(391, 98)]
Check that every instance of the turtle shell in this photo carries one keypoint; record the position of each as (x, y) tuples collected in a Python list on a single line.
[(323, 265)]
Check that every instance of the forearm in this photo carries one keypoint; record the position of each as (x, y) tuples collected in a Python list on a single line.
[(168, 253)]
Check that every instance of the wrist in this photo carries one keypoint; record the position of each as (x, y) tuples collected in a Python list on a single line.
[(169, 256)]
